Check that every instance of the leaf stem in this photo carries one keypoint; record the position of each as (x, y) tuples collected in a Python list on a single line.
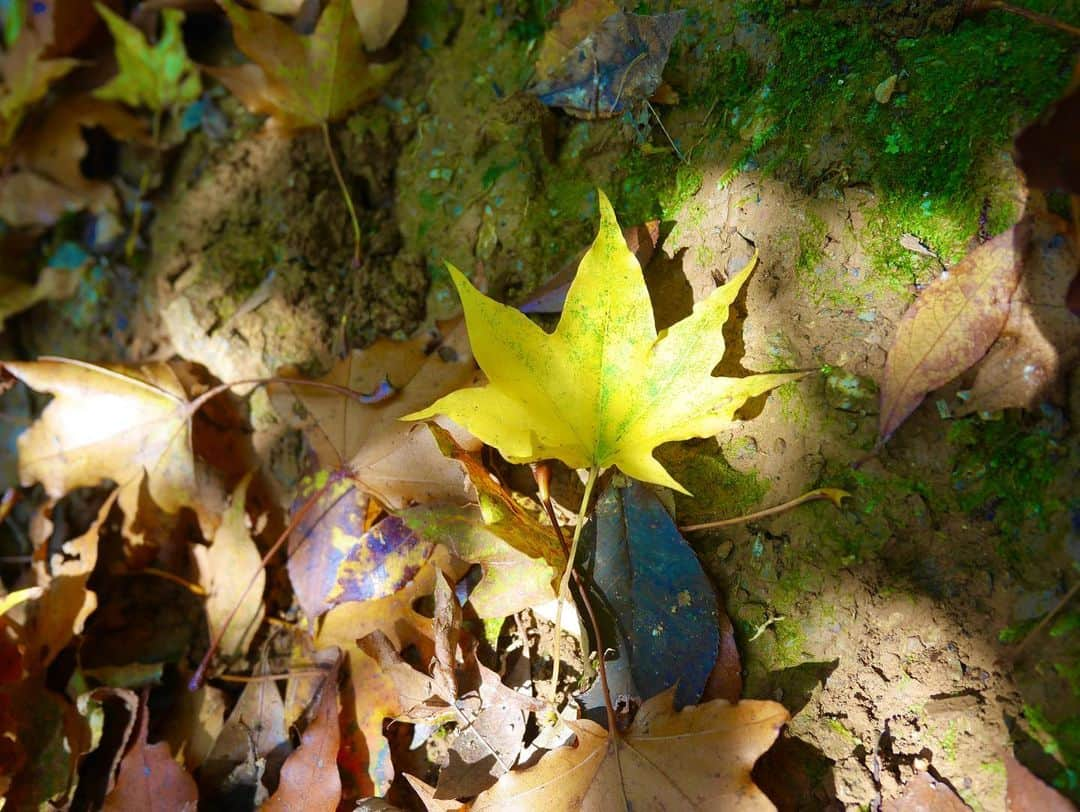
[(834, 495), (357, 254), (564, 584), (587, 602)]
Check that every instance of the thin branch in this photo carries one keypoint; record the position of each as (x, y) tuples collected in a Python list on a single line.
[(834, 495), (357, 253)]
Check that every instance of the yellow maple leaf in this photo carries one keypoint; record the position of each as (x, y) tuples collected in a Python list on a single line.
[(604, 388)]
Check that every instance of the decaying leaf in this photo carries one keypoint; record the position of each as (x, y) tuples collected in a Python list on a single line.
[(253, 744), (618, 64), (696, 758), (395, 462), (951, 325), (374, 695), (576, 22), (160, 76), (225, 571), (489, 717), (113, 423), (1027, 793), (301, 81), (27, 76), (150, 779), (923, 792), (64, 25), (658, 611), (309, 777), (1041, 337), (604, 388), (334, 557)]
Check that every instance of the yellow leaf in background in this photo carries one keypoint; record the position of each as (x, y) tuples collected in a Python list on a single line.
[(301, 81), (604, 388), (26, 80), (157, 76), (378, 20)]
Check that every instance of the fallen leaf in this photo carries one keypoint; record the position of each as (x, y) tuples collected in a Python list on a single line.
[(334, 558), (160, 76), (620, 63), (52, 283), (397, 463), (113, 423), (48, 736), (521, 559), (252, 744), (489, 717), (1027, 793), (30, 199), (550, 296), (149, 778), (226, 569), (696, 758), (59, 614), (922, 793), (373, 692), (576, 22), (378, 20), (301, 81), (1041, 338), (950, 325), (1047, 151), (111, 714), (604, 388), (309, 776), (27, 77), (725, 679), (658, 609), (65, 25)]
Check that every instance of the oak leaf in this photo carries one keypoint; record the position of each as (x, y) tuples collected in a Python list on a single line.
[(950, 325), (695, 759), (604, 388), (158, 76), (301, 81)]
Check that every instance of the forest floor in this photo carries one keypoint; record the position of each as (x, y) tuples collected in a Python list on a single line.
[(887, 627)]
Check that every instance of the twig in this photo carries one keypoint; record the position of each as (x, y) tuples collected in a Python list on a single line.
[(671, 141), (1042, 624), (1026, 13), (834, 495)]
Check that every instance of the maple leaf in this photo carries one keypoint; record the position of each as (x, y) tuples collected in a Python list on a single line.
[(26, 80), (118, 423), (156, 76), (301, 81), (604, 388), (696, 758)]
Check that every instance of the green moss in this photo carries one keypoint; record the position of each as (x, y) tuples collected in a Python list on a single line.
[(1003, 471), (949, 741), (961, 95), (720, 492), (1061, 740)]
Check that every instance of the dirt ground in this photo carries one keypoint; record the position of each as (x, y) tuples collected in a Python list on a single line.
[(889, 627)]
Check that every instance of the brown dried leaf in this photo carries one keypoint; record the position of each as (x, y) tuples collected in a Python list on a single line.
[(225, 571), (309, 778), (923, 794), (52, 283), (1041, 338), (150, 779), (378, 20), (1027, 793), (27, 77), (397, 463), (950, 325), (301, 81), (575, 23), (114, 423), (696, 758)]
